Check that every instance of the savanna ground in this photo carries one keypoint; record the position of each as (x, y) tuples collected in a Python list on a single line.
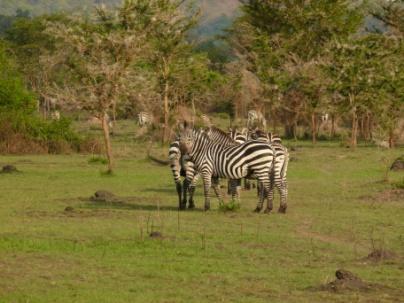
[(340, 210)]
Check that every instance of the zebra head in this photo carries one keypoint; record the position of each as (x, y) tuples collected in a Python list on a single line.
[(186, 138)]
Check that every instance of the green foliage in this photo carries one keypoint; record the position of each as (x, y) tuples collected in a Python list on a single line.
[(13, 94), (231, 206), (97, 160)]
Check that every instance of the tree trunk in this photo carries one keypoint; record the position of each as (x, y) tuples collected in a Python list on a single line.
[(361, 125), (332, 134), (391, 138), (166, 112), (107, 140), (289, 130), (354, 129), (313, 128)]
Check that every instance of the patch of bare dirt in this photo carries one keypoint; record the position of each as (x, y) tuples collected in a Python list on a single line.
[(390, 195), (105, 197), (398, 164), (379, 255), (156, 235), (9, 169), (347, 281)]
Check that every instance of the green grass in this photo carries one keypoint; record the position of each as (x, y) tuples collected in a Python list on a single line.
[(102, 252)]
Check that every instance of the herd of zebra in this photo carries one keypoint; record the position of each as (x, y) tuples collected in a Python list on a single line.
[(212, 154)]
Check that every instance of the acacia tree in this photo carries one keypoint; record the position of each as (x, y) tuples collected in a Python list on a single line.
[(278, 36), (367, 72), (170, 47), (96, 59)]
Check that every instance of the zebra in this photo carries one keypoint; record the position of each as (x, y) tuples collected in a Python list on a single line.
[(241, 137), (180, 167), (253, 158), (144, 118), (206, 121), (268, 137), (55, 115), (256, 116), (279, 172)]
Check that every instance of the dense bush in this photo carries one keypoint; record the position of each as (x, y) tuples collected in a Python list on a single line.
[(22, 130)]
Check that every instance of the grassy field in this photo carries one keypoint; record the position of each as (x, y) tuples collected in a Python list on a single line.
[(340, 210)]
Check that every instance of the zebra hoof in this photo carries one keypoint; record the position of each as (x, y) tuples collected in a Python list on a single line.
[(191, 206), (207, 207), (182, 206), (257, 210), (282, 209), (267, 210)]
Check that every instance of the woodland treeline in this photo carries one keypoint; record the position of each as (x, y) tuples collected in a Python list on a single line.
[(295, 61)]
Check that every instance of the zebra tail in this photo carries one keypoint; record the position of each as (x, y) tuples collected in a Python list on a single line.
[(285, 163), (156, 160)]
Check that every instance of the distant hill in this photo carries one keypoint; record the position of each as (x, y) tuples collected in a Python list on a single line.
[(216, 14)]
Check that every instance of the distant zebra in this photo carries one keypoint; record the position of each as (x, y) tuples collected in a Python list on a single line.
[(55, 115), (144, 118), (256, 117), (96, 121), (206, 120), (280, 169), (324, 117), (254, 159)]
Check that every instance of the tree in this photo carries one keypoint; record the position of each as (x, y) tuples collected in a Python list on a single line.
[(282, 40), (96, 58), (170, 47)]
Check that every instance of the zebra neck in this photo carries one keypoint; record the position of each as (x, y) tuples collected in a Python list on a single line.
[(200, 145)]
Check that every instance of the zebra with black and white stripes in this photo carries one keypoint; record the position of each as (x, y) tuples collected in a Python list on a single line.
[(280, 169), (256, 117), (182, 168), (144, 118), (254, 159)]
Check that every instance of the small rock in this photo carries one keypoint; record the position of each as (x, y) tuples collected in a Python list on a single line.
[(381, 254), (104, 196), (69, 208), (343, 274), (398, 164), (8, 169), (155, 234)]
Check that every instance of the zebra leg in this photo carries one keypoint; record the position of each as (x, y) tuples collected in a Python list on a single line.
[(265, 185), (270, 199), (216, 188), (247, 184), (191, 203), (185, 189), (228, 187), (206, 188), (283, 191), (235, 194), (179, 192)]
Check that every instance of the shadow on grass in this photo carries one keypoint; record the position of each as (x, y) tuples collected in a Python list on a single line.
[(159, 190), (129, 204)]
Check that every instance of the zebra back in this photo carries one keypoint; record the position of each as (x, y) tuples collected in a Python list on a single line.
[(144, 118)]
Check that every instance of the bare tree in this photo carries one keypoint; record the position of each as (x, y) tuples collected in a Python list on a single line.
[(96, 58)]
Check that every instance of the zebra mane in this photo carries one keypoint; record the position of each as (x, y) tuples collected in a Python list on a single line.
[(222, 135)]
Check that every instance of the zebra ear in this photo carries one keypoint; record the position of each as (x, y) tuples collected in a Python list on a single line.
[(181, 126)]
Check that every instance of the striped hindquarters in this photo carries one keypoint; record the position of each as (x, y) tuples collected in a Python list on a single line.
[(144, 118)]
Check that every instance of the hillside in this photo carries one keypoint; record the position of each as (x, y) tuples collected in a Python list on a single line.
[(216, 15), (212, 8)]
